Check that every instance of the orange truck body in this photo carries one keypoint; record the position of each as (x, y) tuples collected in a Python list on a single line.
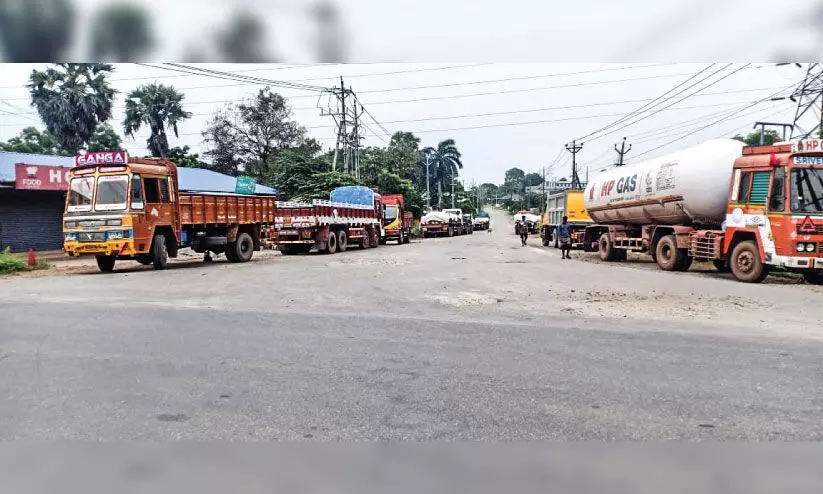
[(150, 210)]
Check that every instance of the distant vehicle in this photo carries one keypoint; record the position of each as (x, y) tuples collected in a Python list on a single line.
[(566, 203), (745, 209), (132, 209), (468, 223), (442, 223), (397, 222), (464, 227), (532, 222), (481, 221)]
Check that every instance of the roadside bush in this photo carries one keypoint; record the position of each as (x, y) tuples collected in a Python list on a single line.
[(10, 263)]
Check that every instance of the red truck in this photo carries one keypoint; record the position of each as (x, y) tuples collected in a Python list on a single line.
[(397, 222), (353, 215)]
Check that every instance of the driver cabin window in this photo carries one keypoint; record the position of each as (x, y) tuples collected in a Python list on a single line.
[(152, 190), (777, 202), (136, 192)]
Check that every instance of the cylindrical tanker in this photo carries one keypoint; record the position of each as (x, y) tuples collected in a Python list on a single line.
[(688, 187)]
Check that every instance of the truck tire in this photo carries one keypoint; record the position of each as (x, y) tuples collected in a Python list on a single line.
[(813, 277), (374, 239), (668, 256), (159, 252), (331, 243), (685, 260), (746, 264), (342, 241), (407, 238), (364, 242), (721, 265), (606, 248), (242, 249), (106, 263), (451, 231)]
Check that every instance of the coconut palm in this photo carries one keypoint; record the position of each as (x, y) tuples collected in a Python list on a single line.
[(445, 165), (72, 100), (159, 107)]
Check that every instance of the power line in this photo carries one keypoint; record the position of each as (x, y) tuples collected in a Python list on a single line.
[(633, 112), (234, 77)]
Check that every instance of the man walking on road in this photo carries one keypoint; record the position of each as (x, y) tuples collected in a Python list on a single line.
[(564, 235), (524, 230)]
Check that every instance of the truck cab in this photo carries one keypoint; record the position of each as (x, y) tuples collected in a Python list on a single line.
[(397, 222), (775, 211), (114, 207)]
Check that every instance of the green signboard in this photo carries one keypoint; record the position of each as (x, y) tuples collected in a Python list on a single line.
[(245, 185)]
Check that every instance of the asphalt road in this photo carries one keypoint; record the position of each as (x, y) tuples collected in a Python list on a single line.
[(466, 338)]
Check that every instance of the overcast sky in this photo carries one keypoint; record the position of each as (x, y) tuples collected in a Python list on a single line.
[(534, 113)]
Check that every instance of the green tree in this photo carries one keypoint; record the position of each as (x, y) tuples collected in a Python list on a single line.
[(321, 185), (533, 179), (403, 154), (224, 148), (292, 172), (489, 192), (158, 107), (253, 132), (445, 165), (121, 32), (32, 141), (36, 30), (515, 182), (183, 157), (72, 100), (105, 139), (753, 139)]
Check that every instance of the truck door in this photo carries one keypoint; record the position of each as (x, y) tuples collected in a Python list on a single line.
[(160, 208)]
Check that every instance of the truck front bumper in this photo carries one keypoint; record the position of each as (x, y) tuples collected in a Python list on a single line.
[(124, 247)]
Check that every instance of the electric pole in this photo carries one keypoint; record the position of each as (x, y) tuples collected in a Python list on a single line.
[(428, 187), (575, 148), (809, 98), (622, 152)]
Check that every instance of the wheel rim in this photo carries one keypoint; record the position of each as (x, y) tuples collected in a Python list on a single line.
[(745, 262), (244, 247), (666, 253), (604, 246)]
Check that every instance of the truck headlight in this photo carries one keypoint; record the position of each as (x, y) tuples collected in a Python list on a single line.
[(810, 247), (117, 222), (70, 237), (801, 247), (114, 235)]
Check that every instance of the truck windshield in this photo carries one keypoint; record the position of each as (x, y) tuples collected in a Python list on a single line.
[(81, 191), (391, 212), (807, 190), (112, 192)]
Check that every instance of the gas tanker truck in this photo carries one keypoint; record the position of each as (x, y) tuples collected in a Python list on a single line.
[(745, 209)]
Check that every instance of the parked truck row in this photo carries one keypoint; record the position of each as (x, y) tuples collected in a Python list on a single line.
[(135, 209), (447, 223)]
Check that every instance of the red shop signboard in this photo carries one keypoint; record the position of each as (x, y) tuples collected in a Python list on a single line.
[(41, 177)]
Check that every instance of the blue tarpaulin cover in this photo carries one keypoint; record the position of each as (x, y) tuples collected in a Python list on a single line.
[(353, 194)]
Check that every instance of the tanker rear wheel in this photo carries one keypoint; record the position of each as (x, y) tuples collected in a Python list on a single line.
[(606, 248)]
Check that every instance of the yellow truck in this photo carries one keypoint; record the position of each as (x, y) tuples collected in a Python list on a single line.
[(566, 203)]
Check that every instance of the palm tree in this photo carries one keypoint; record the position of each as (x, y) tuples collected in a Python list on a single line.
[(445, 165), (72, 100), (158, 107)]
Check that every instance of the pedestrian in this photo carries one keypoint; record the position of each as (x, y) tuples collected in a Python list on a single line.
[(524, 231), (564, 235)]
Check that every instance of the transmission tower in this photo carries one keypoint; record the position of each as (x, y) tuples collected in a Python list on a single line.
[(346, 117), (809, 98)]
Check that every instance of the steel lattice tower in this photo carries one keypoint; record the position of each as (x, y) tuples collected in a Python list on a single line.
[(809, 98)]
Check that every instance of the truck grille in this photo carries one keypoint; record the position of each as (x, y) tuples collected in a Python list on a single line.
[(91, 236), (819, 229)]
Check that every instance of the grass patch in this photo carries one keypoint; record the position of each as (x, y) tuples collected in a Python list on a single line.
[(12, 263)]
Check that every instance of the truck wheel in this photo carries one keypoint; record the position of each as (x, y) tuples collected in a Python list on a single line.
[(451, 232), (813, 277), (721, 265), (331, 243), (364, 242), (159, 252), (106, 263), (242, 249), (669, 257), (407, 238), (606, 248), (342, 241), (746, 264), (685, 260)]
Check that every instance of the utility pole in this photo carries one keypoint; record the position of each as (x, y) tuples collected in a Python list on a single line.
[(453, 179), (575, 148), (621, 152), (545, 198), (428, 187)]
